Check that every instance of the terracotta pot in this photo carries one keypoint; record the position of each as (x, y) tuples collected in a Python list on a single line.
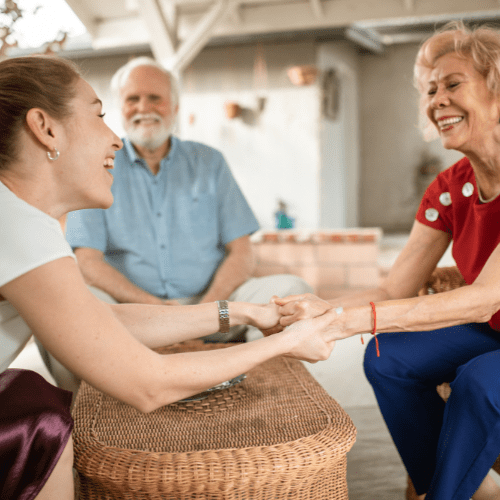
[(232, 109), (302, 75)]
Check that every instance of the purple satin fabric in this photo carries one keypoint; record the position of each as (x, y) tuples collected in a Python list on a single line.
[(35, 425)]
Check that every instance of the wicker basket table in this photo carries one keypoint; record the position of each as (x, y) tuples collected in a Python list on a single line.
[(276, 435)]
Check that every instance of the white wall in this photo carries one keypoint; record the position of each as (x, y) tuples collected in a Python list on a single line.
[(273, 153), (277, 157), (339, 140)]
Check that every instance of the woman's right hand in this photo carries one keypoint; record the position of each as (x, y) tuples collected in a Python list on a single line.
[(311, 339), (298, 307)]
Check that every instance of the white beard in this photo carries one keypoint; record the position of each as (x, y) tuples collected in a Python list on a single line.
[(150, 137)]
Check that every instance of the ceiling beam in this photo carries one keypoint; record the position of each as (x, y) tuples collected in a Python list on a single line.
[(366, 38), (256, 18), (235, 10), (276, 17), (85, 15), (410, 5), (197, 39), (316, 8), (163, 38)]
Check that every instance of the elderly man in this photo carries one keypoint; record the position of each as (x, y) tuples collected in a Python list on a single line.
[(179, 228)]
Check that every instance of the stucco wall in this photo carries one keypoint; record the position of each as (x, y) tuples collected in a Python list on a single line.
[(391, 142), (272, 149)]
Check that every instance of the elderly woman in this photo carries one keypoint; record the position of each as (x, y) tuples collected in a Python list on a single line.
[(447, 449), (56, 154)]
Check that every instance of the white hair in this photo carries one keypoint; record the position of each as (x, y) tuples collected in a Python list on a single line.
[(121, 76)]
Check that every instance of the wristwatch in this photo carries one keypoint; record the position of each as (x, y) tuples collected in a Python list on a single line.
[(223, 307)]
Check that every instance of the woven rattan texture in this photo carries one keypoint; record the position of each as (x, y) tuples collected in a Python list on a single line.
[(284, 439), (443, 279)]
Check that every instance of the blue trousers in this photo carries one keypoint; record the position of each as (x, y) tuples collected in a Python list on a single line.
[(449, 448)]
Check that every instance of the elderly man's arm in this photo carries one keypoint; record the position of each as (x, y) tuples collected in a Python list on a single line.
[(235, 269), (98, 273)]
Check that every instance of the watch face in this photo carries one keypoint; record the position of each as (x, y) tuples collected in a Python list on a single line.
[(218, 387)]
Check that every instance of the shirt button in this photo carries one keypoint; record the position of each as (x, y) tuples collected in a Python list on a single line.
[(163, 247), (158, 214), (445, 199), (431, 214), (467, 189)]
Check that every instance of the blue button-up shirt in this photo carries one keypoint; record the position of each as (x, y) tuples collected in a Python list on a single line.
[(167, 232)]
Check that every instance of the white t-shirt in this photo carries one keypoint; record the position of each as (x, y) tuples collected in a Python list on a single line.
[(29, 238)]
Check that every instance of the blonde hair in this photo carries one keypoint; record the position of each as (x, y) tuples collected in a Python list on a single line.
[(480, 45)]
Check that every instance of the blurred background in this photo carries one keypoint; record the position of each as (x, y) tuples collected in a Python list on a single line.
[(311, 101)]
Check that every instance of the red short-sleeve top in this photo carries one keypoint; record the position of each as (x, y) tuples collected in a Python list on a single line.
[(451, 204)]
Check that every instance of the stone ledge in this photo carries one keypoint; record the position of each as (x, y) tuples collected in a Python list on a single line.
[(331, 261)]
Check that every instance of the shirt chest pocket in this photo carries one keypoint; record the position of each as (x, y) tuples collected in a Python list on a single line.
[(199, 217)]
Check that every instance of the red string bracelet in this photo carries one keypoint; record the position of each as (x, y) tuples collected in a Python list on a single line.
[(374, 331)]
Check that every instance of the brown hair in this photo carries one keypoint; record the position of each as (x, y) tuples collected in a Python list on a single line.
[(479, 45), (44, 82)]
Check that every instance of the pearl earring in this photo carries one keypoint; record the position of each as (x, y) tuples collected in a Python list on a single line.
[(55, 157)]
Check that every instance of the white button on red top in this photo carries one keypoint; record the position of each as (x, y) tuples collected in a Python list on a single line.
[(445, 199), (431, 214), (468, 189)]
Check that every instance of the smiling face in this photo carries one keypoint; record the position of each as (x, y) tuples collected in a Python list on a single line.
[(147, 111), (460, 105), (87, 151)]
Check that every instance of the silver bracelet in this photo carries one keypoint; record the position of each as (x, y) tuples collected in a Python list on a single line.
[(223, 316)]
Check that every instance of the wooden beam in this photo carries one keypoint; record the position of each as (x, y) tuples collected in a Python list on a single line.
[(409, 5), (235, 10), (163, 38), (198, 38), (368, 39), (317, 8), (85, 15), (267, 16)]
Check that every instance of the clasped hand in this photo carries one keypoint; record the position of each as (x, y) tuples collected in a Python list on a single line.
[(308, 329), (298, 307)]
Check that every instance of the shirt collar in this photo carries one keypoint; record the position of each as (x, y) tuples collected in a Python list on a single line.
[(134, 157), (129, 149)]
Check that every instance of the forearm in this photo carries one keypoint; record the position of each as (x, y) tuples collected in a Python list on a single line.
[(190, 373), (429, 312), (102, 275), (157, 326), (232, 273), (361, 298)]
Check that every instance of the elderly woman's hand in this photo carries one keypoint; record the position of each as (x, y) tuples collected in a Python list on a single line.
[(297, 307), (266, 317)]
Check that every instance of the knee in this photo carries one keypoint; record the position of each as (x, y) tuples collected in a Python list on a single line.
[(479, 381), (289, 284), (392, 363), (370, 362)]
